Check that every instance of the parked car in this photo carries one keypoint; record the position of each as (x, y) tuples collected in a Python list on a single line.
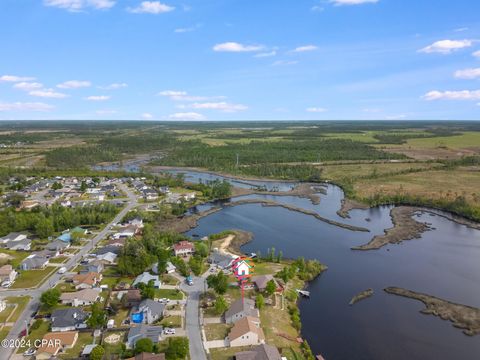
[(163, 300), (7, 284), (169, 331), (30, 352), (62, 270)]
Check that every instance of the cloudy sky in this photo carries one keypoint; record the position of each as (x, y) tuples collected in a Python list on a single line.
[(240, 59)]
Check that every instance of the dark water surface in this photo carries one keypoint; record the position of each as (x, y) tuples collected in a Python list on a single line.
[(445, 263)]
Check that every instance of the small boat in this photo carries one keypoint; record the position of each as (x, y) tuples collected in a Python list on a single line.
[(304, 293), (319, 357)]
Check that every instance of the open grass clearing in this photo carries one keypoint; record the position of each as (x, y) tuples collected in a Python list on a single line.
[(33, 278), (217, 331), (13, 311)]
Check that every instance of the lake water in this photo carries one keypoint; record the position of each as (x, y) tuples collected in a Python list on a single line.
[(444, 263)]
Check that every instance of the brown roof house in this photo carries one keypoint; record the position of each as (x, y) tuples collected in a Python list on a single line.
[(261, 282), (86, 281), (240, 309), (7, 273), (56, 342), (245, 332), (260, 352), (183, 248), (81, 298)]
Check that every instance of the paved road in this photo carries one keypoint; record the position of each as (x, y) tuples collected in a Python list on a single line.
[(192, 321), (35, 294)]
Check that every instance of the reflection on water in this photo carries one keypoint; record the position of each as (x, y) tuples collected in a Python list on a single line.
[(444, 263)]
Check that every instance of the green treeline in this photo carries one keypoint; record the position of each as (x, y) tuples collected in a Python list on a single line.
[(46, 221)]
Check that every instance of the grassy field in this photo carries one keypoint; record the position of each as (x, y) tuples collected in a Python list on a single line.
[(169, 294), (32, 278), (20, 302), (217, 331), (15, 257), (174, 321)]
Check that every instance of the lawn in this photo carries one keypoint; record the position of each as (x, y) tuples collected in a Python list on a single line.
[(35, 333), (59, 260), (84, 338), (113, 348), (227, 353), (15, 256), (169, 280), (267, 268), (113, 281), (217, 331), (169, 294), (121, 315), (32, 278), (65, 287), (174, 321), (21, 302), (4, 332)]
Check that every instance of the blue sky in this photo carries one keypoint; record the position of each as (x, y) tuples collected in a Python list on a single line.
[(240, 59)]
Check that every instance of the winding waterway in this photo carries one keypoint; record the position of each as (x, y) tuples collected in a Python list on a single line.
[(444, 263)]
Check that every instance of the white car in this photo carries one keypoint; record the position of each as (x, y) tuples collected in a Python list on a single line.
[(30, 352), (169, 331), (163, 300), (62, 270), (7, 284)]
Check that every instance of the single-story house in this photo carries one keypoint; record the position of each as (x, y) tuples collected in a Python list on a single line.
[(108, 248), (260, 352), (56, 342), (149, 194), (24, 244), (93, 266), (49, 254), (33, 262), (107, 258), (245, 332), (240, 309), (7, 273), (183, 248), (14, 236), (127, 232), (69, 319), (65, 237), (86, 281), (142, 331), (221, 259), (57, 245), (152, 310), (137, 222), (81, 298), (169, 269), (145, 279), (261, 282)]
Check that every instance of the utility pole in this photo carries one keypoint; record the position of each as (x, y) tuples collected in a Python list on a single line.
[(238, 156)]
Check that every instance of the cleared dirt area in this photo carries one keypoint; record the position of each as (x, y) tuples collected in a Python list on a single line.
[(462, 316)]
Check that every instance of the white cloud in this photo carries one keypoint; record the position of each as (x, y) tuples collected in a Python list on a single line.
[(352, 2), (184, 30), (462, 29), (317, 8), (187, 116), (184, 96), (446, 46), (28, 86), (13, 78), (114, 86), (372, 110), (236, 47), (452, 95), (305, 48), (315, 109), (106, 112), (284, 62), (19, 106), (151, 7), (220, 106), (477, 54), (266, 54), (79, 5), (74, 84), (147, 116), (468, 73), (97, 98), (48, 93)]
